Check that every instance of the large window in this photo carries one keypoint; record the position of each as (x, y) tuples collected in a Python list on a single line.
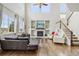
[(7, 22), (4, 24), (11, 24), (21, 24), (44, 8)]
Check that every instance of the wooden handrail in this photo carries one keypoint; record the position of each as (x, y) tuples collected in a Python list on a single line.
[(71, 33), (69, 18), (61, 22), (69, 30), (64, 25)]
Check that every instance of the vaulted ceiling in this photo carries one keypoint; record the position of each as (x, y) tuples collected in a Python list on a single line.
[(16, 7), (20, 9)]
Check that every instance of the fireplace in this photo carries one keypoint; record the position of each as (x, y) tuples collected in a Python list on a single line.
[(39, 33)]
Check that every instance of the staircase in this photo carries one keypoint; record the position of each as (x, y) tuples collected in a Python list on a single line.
[(75, 40), (70, 35), (73, 37)]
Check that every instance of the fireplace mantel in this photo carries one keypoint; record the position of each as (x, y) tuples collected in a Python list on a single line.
[(39, 25)]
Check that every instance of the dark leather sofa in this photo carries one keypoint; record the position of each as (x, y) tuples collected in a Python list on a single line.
[(19, 43), (14, 44)]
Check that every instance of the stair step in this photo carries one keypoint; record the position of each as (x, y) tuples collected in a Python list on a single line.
[(75, 40), (75, 43), (68, 33), (74, 37)]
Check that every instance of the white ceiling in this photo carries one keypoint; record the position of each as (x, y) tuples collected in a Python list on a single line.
[(73, 6), (16, 7), (19, 7)]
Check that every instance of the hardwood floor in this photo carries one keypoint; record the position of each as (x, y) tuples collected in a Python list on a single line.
[(46, 48)]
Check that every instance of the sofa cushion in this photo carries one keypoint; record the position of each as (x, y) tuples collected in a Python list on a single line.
[(14, 44), (10, 38), (23, 38), (8, 35)]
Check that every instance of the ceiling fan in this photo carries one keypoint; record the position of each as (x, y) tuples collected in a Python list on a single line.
[(41, 4)]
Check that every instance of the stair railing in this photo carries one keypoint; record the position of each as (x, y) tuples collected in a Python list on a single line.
[(66, 30), (69, 18)]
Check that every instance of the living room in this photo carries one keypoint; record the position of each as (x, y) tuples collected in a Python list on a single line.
[(38, 29)]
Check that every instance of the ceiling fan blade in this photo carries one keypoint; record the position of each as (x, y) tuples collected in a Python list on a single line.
[(45, 4)]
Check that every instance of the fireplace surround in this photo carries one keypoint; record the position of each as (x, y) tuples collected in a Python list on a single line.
[(40, 33)]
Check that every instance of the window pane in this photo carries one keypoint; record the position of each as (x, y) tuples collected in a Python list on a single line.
[(21, 25), (11, 24), (4, 21), (63, 8), (37, 9)]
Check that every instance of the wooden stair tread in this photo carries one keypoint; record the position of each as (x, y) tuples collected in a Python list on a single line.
[(75, 40), (74, 37)]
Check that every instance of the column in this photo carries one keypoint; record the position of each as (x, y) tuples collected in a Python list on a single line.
[(26, 21)]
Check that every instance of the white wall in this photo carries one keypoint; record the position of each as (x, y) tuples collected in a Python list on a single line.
[(74, 23), (53, 16), (73, 6), (74, 20)]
